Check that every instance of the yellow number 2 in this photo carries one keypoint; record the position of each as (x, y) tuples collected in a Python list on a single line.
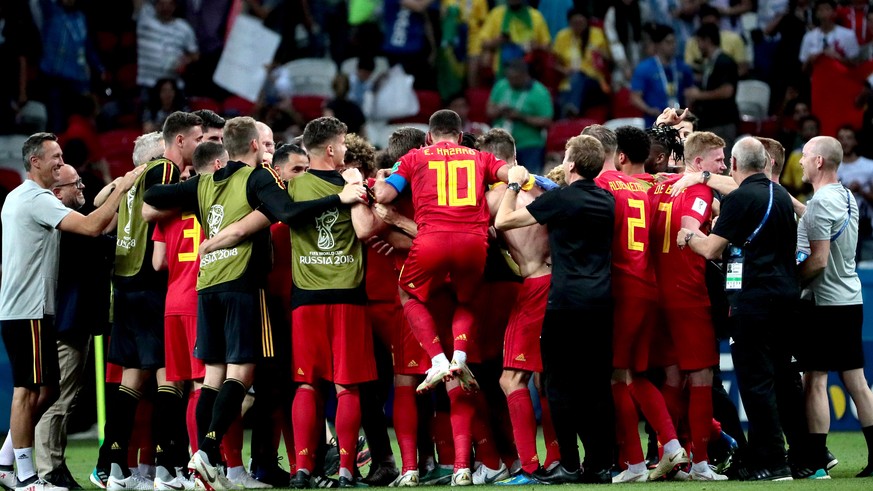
[(450, 189), (633, 223)]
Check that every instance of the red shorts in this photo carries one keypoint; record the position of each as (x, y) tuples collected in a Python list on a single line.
[(521, 344), (438, 255), (180, 334), (661, 351), (491, 322), (113, 373), (383, 317), (693, 337), (332, 342), (632, 332)]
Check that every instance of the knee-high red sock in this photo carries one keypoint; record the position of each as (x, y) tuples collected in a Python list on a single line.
[(442, 437), (423, 326), (462, 326), (307, 427), (627, 424), (191, 418), (406, 425), (524, 428), (348, 425), (700, 420), (132, 456), (461, 411), (483, 436), (651, 403), (232, 442), (553, 452), (674, 398)]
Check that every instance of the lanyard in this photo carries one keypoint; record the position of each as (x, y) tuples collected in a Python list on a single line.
[(766, 216), (708, 67), (669, 89), (848, 217)]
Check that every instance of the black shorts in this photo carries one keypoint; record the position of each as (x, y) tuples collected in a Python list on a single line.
[(832, 338), (32, 348), (233, 327), (137, 339)]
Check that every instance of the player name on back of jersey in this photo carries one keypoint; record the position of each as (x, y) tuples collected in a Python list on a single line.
[(664, 189), (448, 152), (629, 186)]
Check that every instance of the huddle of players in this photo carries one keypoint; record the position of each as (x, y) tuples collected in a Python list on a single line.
[(236, 197)]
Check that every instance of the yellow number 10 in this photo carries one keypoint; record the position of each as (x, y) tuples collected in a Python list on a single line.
[(451, 188)]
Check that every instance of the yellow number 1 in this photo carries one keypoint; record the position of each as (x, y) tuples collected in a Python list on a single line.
[(450, 189), (633, 223)]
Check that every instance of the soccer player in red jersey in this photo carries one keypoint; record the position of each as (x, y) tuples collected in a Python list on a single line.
[(684, 299), (448, 187), (635, 296)]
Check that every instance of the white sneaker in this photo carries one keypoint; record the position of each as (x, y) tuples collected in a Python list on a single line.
[(706, 475), (434, 375), (667, 463), (39, 485), (682, 476), (461, 372), (186, 479), (211, 477), (7, 479), (134, 482), (246, 481), (485, 475), (462, 477), (405, 480), (628, 476)]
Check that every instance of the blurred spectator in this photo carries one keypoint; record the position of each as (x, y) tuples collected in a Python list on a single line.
[(584, 59), (792, 175), (461, 105), (623, 27), (82, 126), (208, 19), (660, 81), (523, 107), (330, 28), (362, 81), (856, 173), (792, 116), (166, 44), (730, 12), (510, 33), (856, 17), (409, 39), (787, 31), (164, 99), (828, 39), (16, 50), (69, 58), (342, 108), (365, 32), (731, 43), (285, 17), (555, 14), (678, 14), (714, 99), (461, 22)]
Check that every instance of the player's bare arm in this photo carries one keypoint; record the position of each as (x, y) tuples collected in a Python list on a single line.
[(508, 217), (709, 246), (815, 264), (389, 215), (236, 232), (384, 192), (364, 221), (723, 184), (159, 256)]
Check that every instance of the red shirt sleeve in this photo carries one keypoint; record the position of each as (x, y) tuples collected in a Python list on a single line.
[(492, 165), (405, 167), (697, 203), (158, 234)]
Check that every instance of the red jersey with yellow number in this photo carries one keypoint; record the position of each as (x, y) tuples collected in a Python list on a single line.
[(448, 183), (630, 244), (681, 272), (182, 236)]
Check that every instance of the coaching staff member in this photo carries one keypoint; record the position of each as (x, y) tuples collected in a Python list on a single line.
[(576, 340), (757, 226)]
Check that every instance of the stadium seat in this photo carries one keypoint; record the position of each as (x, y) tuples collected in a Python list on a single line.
[(237, 106), (429, 102), (477, 97), (117, 148), (618, 122), (196, 103), (622, 106), (563, 130), (753, 98), (306, 76), (309, 106)]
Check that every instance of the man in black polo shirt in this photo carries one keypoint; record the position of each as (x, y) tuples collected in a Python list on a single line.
[(576, 340), (757, 227)]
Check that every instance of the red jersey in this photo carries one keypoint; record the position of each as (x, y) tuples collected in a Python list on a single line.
[(279, 280), (183, 236), (681, 272), (448, 183), (630, 244), (645, 179)]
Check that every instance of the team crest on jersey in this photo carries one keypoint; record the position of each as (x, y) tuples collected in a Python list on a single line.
[(324, 225), (214, 219)]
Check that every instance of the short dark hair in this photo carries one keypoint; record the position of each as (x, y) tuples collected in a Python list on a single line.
[(692, 118), (402, 140), (709, 32), (830, 3), (206, 153), (445, 122), (284, 150), (604, 135), (633, 142), (321, 130), (33, 147), (706, 10), (587, 153), (576, 11), (808, 117), (366, 63), (499, 142), (659, 32), (210, 118), (179, 122)]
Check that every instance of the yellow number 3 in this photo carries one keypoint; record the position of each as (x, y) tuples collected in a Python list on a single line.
[(451, 188)]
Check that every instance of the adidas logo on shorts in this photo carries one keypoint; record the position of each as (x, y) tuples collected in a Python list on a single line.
[(520, 357), (299, 371), (412, 364)]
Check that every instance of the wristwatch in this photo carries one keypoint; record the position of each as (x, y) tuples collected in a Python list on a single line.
[(688, 237), (514, 186), (706, 176)]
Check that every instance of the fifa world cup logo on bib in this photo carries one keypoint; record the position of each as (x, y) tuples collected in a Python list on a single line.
[(130, 196), (324, 224), (214, 219)]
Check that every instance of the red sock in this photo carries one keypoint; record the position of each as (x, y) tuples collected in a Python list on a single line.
[(627, 424), (674, 398), (651, 403), (232, 442), (462, 326), (307, 427), (132, 456), (700, 420), (348, 425), (553, 452), (191, 418), (147, 455), (486, 449), (524, 428), (442, 437), (423, 326), (461, 411), (406, 425), (715, 430)]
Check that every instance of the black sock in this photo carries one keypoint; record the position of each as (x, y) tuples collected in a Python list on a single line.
[(203, 412), (817, 448), (868, 436), (228, 404), (168, 408), (124, 410)]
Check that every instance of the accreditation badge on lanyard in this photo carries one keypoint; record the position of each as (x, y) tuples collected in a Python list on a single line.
[(736, 255), (669, 87)]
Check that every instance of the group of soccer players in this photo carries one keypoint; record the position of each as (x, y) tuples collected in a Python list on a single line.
[(284, 273)]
